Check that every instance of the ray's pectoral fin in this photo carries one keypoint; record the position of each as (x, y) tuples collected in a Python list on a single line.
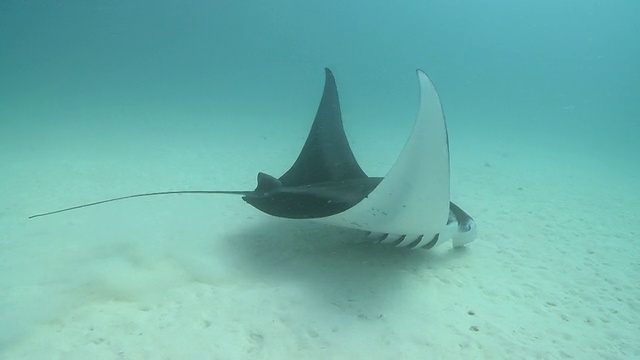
[(411, 206), (325, 179), (326, 155)]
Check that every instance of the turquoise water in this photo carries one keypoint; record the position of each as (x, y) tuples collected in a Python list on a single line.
[(128, 96), (562, 69)]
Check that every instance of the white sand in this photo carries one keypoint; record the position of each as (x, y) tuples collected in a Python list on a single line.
[(554, 273)]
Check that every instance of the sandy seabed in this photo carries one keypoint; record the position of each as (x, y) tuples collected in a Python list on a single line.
[(554, 273)]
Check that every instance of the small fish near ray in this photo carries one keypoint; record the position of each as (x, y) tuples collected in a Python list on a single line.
[(409, 207)]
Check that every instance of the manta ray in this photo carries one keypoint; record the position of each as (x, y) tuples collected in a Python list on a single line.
[(409, 207)]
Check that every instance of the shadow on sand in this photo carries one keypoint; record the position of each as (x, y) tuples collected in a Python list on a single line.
[(333, 263)]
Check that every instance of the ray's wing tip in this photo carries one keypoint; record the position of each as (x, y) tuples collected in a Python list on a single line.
[(422, 75), (328, 73)]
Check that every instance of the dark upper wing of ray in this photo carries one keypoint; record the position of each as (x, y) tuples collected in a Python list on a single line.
[(326, 155)]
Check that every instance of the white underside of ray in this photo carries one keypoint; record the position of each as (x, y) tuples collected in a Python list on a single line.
[(413, 198)]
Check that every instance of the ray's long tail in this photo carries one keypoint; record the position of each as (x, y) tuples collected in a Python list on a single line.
[(243, 193)]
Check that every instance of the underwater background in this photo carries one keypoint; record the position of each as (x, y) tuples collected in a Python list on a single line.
[(102, 99)]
